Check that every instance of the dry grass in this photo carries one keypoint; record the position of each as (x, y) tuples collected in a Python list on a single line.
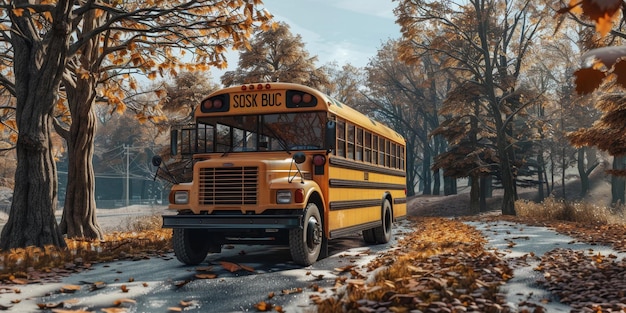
[(141, 238), (552, 209), (143, 223)]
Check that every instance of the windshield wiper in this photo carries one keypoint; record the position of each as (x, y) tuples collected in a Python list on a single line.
[(281, 140), (230, 149)]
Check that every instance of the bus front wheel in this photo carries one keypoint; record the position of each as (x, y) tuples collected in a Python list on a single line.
[(305, 243), (382, 233), (191, 246)]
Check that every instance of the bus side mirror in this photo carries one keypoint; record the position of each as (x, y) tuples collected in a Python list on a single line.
[(331, 135), (174, 142), (157, 160)]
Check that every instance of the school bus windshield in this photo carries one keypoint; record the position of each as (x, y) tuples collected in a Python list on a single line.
[(268, 132)]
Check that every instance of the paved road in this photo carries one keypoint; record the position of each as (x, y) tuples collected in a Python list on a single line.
[(158, 284), (516, 240)]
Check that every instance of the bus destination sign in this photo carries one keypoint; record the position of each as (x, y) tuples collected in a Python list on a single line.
[(257, 100)]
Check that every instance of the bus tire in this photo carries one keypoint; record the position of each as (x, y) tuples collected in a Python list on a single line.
[(305, 243), (191, 246), (382, 233), (368, 236)]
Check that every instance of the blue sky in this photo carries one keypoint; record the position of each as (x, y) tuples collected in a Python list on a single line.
[(346, 31)]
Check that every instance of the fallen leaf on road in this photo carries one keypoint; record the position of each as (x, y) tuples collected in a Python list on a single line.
[(229, 266), (263, 306), (291, 291), (120, 302), (206, 276), (70, 288)]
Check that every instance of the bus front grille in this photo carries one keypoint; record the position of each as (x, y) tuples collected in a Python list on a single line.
[(228, 186)]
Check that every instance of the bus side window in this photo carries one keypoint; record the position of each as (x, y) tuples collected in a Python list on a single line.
[(188, 141), (350, 141), (393, 155), (205, 138), (368, 147), (341, 139), (375, 149), (359, 144), (381, 151), (387, 153)]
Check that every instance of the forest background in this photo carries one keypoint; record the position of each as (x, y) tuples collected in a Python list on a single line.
[(490, 92)]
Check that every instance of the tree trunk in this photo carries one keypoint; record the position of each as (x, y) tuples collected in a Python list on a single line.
[(426, 171), (540, 175), (436, 182), (79, 213), (474, 194), (449, 186), (32, 219), (508, 180), (38, 65), (582, 172), (618, 183), (485, 192)]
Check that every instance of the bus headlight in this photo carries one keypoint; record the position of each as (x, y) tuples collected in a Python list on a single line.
[(283, 196), (181, 197)]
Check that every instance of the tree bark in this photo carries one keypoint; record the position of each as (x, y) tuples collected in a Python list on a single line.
[(426, 171), (582, 172), (79, 213), (38, 65), (474, 194), (508, 180), (540, 176), (618, 184), (32, 219)]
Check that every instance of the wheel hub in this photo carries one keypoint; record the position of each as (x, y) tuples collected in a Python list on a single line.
[(314, 232)]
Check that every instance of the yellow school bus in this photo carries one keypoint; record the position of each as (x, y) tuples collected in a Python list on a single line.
[(281, 163)]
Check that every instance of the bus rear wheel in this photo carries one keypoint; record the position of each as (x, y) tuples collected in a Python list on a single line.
[(191, 246), (305, 243), (368, 236), (382, 233)]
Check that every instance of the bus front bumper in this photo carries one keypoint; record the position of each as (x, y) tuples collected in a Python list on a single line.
[(232, 222)]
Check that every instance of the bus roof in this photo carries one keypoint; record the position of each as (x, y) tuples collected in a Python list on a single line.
[(329, 104)]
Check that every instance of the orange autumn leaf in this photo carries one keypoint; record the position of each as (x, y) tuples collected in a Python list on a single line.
[(120, 302), (114, 310), (602, 12), (206, 276), (70, 288), (70, 311), (263, 306), (229, 266), (588, 79), (124, 288)]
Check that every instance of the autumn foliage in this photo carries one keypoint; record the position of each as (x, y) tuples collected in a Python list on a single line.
[(602, 62), (434, 268)]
